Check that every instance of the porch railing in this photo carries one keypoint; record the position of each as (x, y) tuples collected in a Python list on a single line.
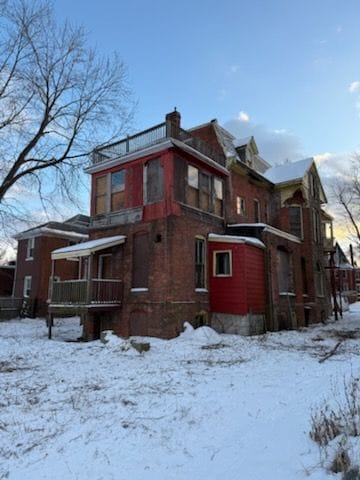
[(83, 292)]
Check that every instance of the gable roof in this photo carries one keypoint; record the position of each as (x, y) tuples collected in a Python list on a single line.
[(289, 172), (75, 228)]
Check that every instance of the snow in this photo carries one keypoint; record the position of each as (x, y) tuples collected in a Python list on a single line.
[(214, 237), (289, 171), (85, 248), (200, 406)]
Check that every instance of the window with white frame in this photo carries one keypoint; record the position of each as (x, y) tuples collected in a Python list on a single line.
[(27, 286), (30, 248), (222, 263)]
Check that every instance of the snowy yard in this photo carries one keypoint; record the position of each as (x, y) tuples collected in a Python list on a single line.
[(198, 407)]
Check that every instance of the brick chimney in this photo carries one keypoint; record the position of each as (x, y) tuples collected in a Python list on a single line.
[(173, 123)]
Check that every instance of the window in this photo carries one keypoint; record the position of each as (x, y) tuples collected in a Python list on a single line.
[(295, 221), (205, 192), (100, 194), (285, 274), (316, 226), (219, 196), (117, 190), (222, 264), (27, 286), (256, 211), (200, 263), (153, 181), (192, 193), (140, 260), (240, 206), (30, 248), (304, 276)]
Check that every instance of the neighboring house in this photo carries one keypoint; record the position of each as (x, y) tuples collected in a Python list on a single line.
[(33, 266), (7, 273), (346, 276), (195, 226)]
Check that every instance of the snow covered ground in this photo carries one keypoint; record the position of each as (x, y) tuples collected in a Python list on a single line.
[(202, 406)]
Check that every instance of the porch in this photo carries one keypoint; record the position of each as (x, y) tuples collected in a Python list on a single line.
[(85, 294)]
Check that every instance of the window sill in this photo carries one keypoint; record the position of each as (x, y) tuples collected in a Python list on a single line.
[(201, 290), (287, 294), (27, 259), (138, 290)]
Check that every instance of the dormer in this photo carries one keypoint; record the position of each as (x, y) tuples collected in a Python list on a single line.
[(248, 153)]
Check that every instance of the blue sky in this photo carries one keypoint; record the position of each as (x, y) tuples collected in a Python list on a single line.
[(287, 65)]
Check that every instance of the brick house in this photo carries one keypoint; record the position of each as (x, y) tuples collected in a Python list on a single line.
[(347, 278), (7, 272), (33, 265), (193, 225)]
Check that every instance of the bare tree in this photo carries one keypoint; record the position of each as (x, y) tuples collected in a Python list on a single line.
[(346, 193), (58, 99)]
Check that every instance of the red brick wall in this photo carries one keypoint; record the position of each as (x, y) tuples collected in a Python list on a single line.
[(40, 269)]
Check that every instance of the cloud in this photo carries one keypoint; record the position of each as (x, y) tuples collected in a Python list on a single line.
[(234, 68), (275, 145), (354, 86), (244, 117)]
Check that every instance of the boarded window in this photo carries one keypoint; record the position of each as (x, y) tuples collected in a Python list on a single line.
[(200, 263), (154, 181), (222, 264), (218, 197), (100, 194), (192, 191), (205, 192), (285, 274), (295, 221), (141, 261), (117, 190)]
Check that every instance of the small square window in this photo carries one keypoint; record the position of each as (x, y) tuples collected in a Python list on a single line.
[(222, 264)]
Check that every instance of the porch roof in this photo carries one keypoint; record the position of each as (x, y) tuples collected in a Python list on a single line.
[(87, 248)]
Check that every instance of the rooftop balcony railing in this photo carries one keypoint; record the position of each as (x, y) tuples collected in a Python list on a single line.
[(153, 136)]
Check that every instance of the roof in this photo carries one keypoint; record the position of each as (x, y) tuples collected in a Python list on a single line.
[(289, 171), (74, 228), (255, 242), (87, 248)]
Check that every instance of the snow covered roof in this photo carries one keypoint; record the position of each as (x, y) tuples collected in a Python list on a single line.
[(289, 171), (86, 248), (255, 242)]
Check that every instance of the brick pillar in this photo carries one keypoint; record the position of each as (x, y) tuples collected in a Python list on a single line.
[(173, 124)]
